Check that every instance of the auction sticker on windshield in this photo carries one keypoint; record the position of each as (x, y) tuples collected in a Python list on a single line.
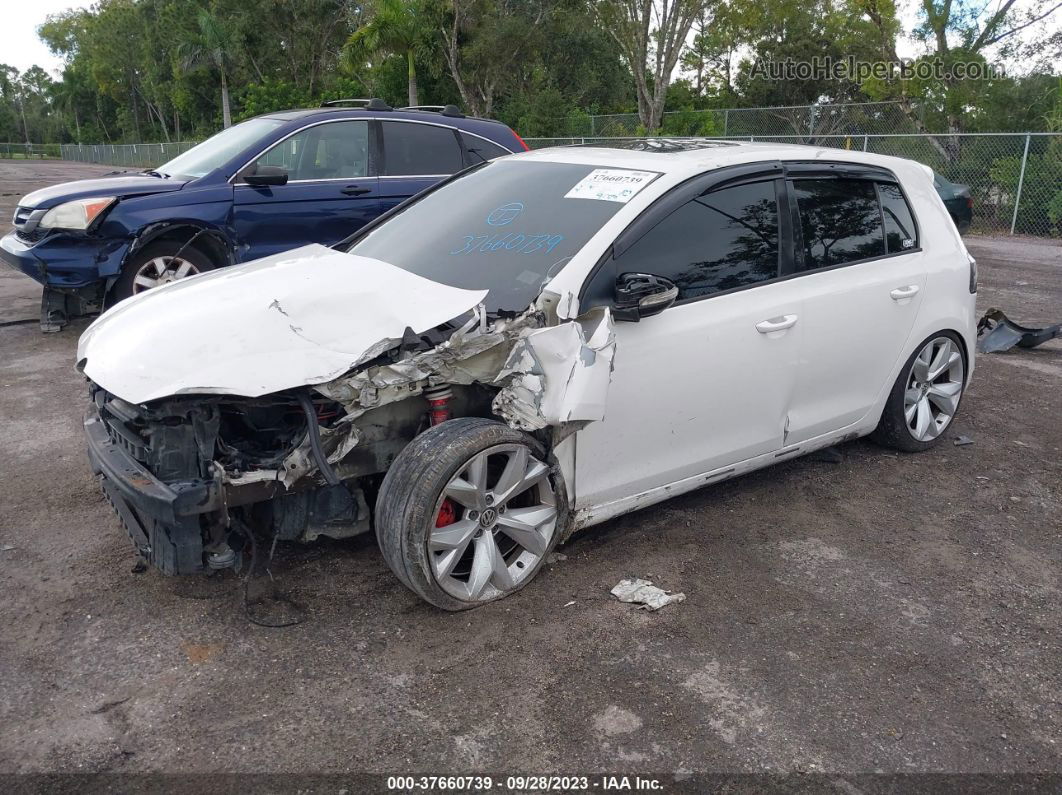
[(611, 184)]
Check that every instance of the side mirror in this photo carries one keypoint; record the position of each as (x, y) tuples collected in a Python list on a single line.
[(641, 295), (266, 175)]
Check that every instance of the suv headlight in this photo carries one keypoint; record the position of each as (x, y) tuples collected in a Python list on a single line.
[(77, 214)]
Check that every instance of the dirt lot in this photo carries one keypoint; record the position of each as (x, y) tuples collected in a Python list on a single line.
[(889, 613)]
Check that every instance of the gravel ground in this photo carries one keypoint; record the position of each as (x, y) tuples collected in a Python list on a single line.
[(889, 613)]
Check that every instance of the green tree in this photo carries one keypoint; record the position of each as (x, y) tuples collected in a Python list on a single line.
[(214, 46), (394, 27)]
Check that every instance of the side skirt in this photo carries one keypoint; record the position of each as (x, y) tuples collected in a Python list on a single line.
[(595, 514)]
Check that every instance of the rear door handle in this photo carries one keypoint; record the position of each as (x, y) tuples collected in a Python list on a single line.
[(780, 323), (354, 190), (900, 293)]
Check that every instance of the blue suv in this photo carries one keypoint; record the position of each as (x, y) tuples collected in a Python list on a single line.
[(265, 185)]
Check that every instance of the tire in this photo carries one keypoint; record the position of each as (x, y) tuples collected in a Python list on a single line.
[(447, 568), (162, 252), (895, 429)]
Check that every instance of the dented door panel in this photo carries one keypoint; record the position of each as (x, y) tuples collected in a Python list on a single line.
[(694, 388)]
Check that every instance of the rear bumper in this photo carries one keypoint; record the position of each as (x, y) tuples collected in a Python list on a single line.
[(162, 519)]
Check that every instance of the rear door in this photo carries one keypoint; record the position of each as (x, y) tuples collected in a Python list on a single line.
[(860, 276), (415, 155), (331, 192)]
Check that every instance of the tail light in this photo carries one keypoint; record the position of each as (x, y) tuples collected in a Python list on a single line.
[(973, 274), (523, 143), (969, 202)]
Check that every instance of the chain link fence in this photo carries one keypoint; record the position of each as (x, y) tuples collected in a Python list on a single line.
[(1015, 180), (125, 155), (13, 151), (824, 119)]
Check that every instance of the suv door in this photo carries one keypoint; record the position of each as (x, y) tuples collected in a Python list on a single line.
[(860, 276), (706, 383), (330, 192), (415, 155)]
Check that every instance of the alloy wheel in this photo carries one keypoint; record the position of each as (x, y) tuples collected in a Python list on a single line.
[(494, 522), (934, 387), (162, 270)]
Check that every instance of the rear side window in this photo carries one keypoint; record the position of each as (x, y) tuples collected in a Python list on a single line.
[(840, 221), (900, 231), (420, 149), (480, 149), (719, 241)]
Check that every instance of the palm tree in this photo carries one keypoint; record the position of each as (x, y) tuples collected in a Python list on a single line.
[(396, 27), (214, 47)]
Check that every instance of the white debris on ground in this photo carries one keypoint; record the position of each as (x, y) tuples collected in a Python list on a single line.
[(644, 594)]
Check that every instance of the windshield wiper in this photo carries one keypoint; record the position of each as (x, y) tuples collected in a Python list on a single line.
[(474, 151), (152, 173)]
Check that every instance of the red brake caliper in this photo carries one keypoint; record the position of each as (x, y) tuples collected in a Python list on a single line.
[(447, 513)]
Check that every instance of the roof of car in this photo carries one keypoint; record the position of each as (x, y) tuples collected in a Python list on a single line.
[(693, 156), (354, 112)]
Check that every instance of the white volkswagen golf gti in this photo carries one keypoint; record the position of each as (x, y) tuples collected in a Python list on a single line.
[(536, 345)]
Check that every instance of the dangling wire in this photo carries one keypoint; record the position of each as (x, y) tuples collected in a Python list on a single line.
[(275, 595)]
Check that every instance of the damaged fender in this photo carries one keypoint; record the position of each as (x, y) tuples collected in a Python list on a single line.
[(559, 374)]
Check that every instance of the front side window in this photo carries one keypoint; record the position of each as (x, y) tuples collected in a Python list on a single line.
[(508, 227), (420, 149), (337, 150), (719, 241), (900, 231), (840, 221)]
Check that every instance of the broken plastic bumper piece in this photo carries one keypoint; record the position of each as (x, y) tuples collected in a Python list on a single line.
[(996, 332)]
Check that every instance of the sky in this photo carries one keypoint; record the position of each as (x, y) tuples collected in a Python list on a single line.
[(19, 45)]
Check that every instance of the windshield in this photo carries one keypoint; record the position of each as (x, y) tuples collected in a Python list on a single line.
[(218, 150), (508, 227)]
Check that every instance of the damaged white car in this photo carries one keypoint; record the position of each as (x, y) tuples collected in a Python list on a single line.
[(536, 345)]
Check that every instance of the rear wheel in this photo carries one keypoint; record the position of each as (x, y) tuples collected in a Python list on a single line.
[(925, 398), (157, 264), (468, 512)]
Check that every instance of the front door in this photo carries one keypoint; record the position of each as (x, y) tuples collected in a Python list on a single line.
[(330, 192), (707, 383)]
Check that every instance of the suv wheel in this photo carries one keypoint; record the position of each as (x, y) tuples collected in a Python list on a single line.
[(468, 512), (157, 264)]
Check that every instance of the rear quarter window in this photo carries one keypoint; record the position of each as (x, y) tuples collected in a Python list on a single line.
[(901, 234)]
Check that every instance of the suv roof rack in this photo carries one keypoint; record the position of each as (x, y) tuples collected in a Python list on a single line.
[(369, 104), (444, 110)]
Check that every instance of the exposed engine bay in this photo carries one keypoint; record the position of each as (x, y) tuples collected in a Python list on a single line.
[(308, 461)]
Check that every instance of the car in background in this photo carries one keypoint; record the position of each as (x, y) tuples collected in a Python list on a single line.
[(537, 345), (263, 186), (957, 199)]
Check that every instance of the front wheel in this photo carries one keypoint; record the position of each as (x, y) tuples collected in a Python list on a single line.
[(468, 512), (925, 398), (157, 264)]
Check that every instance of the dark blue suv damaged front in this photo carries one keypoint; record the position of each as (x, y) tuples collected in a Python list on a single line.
[(266, 185)]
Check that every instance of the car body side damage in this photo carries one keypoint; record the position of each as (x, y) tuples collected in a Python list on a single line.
[(249, 458)]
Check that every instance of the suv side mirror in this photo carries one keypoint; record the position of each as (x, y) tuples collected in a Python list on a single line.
[(266, 175), (641, 295)]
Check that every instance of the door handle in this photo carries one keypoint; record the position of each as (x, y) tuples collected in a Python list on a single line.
[(780, 323), (901, 293), (354, 190)]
